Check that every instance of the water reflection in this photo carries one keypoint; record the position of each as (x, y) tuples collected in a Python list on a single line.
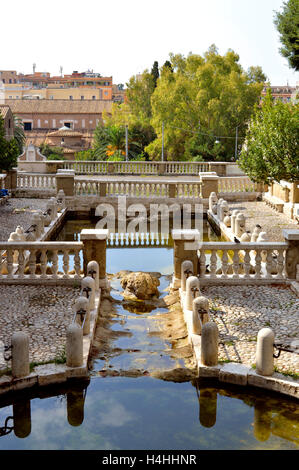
[(114, 409)]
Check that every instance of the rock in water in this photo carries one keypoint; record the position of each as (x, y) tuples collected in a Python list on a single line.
[(140, 286)]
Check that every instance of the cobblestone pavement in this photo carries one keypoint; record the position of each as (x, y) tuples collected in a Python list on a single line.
[(271, 221), (18, 211), (247, 309), (42, 312)]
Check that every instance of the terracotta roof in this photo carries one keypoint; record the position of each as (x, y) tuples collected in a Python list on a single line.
[(59, 106), (64, 133)]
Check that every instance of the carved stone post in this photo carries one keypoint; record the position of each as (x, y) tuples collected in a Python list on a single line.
[(94, 249)]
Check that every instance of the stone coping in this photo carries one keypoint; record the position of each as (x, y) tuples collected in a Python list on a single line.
[(49, 374), (233, 372)]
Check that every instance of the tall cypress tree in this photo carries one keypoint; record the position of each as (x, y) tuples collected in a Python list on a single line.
[(155, 72)]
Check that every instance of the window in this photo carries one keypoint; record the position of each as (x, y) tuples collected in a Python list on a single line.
[(93, 97), (9, 124), (82, 97), (71, 97), (27, 126), (67, 124)]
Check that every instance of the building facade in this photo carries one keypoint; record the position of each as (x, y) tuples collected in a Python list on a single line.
[(8, 119)]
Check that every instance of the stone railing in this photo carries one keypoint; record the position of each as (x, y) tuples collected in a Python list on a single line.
[(138, 188), (36, 181), (235, 184), (258, 263), (137, 168), (38, 262)]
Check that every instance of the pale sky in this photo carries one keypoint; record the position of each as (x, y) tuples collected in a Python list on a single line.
[(124, 37)]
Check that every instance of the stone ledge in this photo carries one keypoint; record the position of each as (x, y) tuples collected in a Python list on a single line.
[(50, 374), (234, 373), (276, 382)]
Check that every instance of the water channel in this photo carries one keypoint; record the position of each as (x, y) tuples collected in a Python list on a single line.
[(124, 405)]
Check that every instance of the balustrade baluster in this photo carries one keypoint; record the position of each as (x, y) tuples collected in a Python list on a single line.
[(280, 264), (55, 264), (32, 263), (202, 262), (236, 263), (224, 263), (213, 263), (66, 263), (43, 262), (247, 264), (258, 264)]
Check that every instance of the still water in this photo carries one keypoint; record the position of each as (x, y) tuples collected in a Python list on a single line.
[(119, 412)]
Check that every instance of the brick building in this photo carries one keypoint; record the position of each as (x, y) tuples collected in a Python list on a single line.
[(7, 116), (40, 117)]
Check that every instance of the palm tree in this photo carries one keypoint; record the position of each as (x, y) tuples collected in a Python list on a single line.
[(110, 143), (19, 133)]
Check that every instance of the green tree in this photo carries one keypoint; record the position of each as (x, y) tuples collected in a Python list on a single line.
[(52, 153), (9, 150), (271, 151), (287, 24), (155, 73), (209, 96), (19, 133)]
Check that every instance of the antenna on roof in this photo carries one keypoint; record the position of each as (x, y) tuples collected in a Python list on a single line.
[(60, 70), (34, 67)]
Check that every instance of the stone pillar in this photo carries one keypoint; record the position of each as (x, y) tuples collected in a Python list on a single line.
[(292, 252), (240, 224), (264, 352), (200, 314), (209, 344), (93, 271), (82, 308), (186, 271), (94, 249), (20, 354), (161, 168), (209, 184), (65, 180), (103, 189), (88, 290), (74, 346), (171, 190), (233, 219), (11, 180), (184, 248), (192, 291), (218, 167), (294, 192), (110, 168)]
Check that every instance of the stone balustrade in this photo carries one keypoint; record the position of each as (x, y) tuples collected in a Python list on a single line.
[(257, 263), (40, 262), (138, 188), (235, 184), (137, 167), (36, 181)]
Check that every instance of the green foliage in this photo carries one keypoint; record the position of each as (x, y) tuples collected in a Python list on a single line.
[(201, 100), (9, 150), (87, 155), (287, 24), (155, 72), (19, 134), (52, 153), (271, 147)]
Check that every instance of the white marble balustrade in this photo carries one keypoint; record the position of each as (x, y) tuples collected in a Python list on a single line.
[(36, 181), (256, 262), (40, 261), (234, 184)]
